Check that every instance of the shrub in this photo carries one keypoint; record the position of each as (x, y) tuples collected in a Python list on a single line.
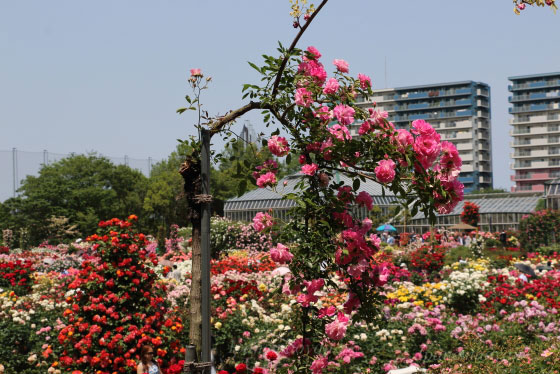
[(428, 258), (117, 307), (470, 214), (541, 228)]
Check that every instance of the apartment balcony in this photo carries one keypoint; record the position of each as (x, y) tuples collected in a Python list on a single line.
[(534, 96), (528, 188), (464, 146), (433, 106), (534, 108), (483, 147), (432, 94), (539, 176), (531, 153), (482, 179), (530, 142), (535, 85), (482, 92), (534, 119), (531, 165)]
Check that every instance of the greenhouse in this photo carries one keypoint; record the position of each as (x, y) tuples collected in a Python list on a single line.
[(497, 212), (245, 207), (552, 194)]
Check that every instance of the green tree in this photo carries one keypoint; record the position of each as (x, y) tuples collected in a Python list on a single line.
[(83, 188)]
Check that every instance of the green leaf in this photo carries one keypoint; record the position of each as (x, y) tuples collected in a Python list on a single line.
[(182, 110), (247, 164), (254, 66), (242, 187), (288, 159), (188, 98), (356, 184)]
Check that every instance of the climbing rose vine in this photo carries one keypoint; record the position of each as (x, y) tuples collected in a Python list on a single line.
[(318, 121)]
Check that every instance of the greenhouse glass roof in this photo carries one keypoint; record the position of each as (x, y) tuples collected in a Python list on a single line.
[(266, 198), (496, 203)]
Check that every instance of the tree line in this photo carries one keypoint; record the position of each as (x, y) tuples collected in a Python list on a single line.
[(69, 197)]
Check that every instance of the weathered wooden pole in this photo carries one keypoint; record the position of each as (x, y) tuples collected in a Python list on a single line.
[(205, 246)]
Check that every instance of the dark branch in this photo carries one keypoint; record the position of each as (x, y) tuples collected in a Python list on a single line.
[(294, 43), (217, 125)]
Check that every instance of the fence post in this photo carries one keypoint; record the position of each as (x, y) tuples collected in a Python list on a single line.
[(14, 169)]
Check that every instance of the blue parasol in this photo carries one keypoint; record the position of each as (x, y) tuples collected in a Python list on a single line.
[(386, 227)]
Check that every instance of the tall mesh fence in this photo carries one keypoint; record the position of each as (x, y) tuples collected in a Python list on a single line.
[(15, 165)]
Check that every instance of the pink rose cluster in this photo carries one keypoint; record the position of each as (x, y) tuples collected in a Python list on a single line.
[(281, 254), (265, 174), (428, 148), (278, 146), (262, 221), (309, 169), (375, 121), (336, 330), (385, 171)]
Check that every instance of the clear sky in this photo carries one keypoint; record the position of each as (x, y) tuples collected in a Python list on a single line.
[(107, 76)]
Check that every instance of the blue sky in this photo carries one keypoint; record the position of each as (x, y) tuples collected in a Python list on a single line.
[(107, 76)]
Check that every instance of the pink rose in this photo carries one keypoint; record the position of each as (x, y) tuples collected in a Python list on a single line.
[(278, 146), (404, 139), (262, 221), (281, 254), (365, 199), (313, 69), (265, 180), (337, 328), (344, 114), (309, 169), (427, 149), (341, 65), (340, 132), (423, 128), (303, 97), (319, 364), (314, 52), (331, 86), (196, 73), (450, 158), (365, 127), (385, 171), (324, 113), (365, 81)]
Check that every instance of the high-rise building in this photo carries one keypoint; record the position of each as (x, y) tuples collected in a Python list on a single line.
[(536, 130), (459, 111)]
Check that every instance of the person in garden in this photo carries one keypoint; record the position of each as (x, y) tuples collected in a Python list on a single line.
[(147, 363)]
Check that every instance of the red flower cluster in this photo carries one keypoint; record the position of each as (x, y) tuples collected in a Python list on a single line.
[(4, 250), (250, 264), (502, 294), (428, 258), (470, 214), (118, 307), (16, 274)]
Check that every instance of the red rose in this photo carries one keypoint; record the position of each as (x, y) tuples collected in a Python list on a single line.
[(271, 355), (241, 368)]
